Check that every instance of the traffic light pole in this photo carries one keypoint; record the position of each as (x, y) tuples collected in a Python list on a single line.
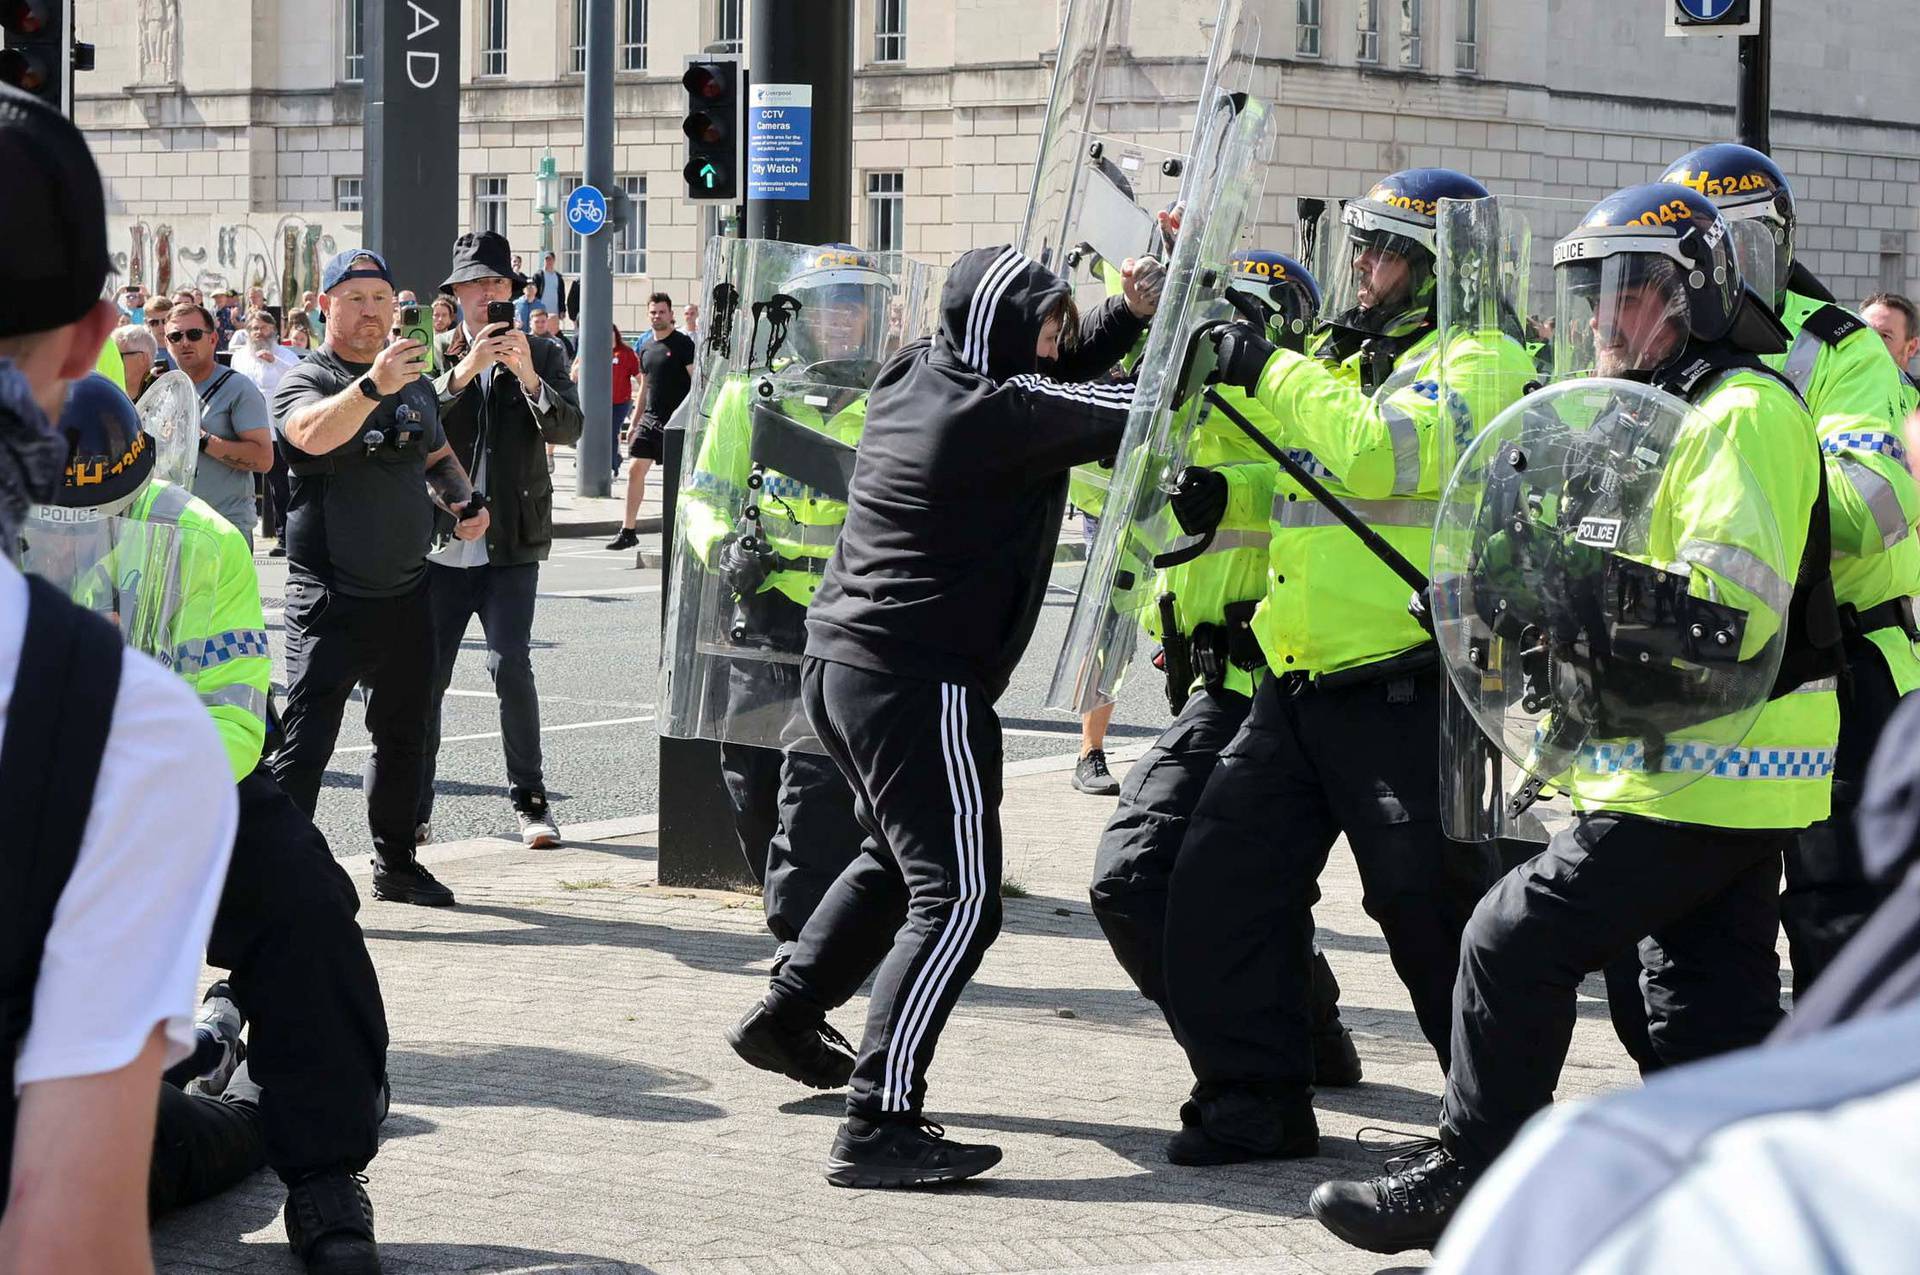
[(594, 474), (1753, 109), (806, 46)]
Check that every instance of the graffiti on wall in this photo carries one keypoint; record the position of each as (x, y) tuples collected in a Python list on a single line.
[(283, 259)]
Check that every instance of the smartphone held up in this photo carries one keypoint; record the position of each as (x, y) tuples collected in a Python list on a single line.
[(410, 325)]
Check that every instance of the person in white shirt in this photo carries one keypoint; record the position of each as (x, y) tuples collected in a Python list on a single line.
[(260, 357)]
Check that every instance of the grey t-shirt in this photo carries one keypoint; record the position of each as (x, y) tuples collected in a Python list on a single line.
[(230, 405), (363, 526)]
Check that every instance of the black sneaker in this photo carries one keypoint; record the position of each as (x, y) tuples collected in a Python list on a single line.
[(330, 1225), (818, 1056), (1090, 775), (1237, 1126), (627, 539), (537, 828), (278, 551), (1336, 1063), (1406, 1207), (904, 1153), (409, 883)]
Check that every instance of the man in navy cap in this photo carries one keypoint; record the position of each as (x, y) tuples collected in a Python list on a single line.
[(370, 465)]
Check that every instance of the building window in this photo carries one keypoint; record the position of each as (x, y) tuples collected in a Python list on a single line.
[(490, 204), (353, 41), (726, 22), (1367, 25), (1412, 55), (633, 39), (889, 30), (1306, 28), (887, 212), (346, 194), (1466, 39), (493, 47), (577, 56), (630, 248)]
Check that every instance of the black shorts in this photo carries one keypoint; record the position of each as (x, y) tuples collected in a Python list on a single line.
[(644, 441)]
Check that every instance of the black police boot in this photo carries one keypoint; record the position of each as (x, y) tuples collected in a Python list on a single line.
[(1090, 775), (1406, 1207), (1232, 1126), (817, 1056), (409, 882), (896, 1153), (1336, 1063), (330, 1224)]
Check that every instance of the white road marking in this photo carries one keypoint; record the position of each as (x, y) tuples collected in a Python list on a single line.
[(599, 593), (494, 734)]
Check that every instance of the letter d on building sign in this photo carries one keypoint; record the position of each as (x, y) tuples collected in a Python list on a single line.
[(411, 203)]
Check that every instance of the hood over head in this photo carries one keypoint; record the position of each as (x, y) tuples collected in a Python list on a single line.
[(992, 308)]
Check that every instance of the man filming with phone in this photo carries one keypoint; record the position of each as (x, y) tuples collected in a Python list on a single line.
[(370, 466), (504, 399)]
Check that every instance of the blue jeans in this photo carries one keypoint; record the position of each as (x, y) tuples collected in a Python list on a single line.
[(503, 599)]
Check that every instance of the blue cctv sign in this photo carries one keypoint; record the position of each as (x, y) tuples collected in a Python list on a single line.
[(1705, 10), (587, 210)]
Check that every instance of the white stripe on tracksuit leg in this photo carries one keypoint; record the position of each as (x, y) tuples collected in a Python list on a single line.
[(930, 984)]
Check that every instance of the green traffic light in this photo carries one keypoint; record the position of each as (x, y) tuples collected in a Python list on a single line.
[(709, 175)]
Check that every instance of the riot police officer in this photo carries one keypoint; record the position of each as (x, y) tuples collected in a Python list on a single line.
[(792, 808), (1202, 617), (1649, 290), (1858, 396), (1343, 738)]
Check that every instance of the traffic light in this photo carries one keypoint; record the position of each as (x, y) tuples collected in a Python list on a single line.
[(713, 130), (38, 55), (1713, 17)]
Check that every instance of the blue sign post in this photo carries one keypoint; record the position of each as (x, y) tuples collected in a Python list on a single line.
[(586, 210)]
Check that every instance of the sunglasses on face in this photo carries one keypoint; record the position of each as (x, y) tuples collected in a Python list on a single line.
[(186, 334)]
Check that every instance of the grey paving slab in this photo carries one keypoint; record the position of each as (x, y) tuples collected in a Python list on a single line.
[(563, 1100)]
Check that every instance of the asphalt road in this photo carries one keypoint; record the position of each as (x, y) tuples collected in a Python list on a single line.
[(596, 654)]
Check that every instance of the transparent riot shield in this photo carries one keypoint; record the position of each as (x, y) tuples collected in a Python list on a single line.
[(1609, 594), (1494, 282), (127, 570), (1137, 529), (170, 414), (1106, 165)]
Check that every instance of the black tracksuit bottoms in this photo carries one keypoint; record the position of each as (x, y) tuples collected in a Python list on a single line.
[(1135, 858), (922, 902), (1310, 763), (1703, 899)]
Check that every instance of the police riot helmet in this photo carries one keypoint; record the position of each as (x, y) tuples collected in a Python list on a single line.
[(109, 456), (1749, 189), (1391, 224), (844, 297), (1649, 269), (1282, 286)]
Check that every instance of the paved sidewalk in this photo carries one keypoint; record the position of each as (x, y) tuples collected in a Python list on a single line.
[(579, 517), (563, 1100)]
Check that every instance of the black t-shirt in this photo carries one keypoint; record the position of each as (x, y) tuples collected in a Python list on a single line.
[(667, 363), (364, 527)]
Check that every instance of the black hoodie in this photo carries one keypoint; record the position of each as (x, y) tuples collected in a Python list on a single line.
[(961, 480)]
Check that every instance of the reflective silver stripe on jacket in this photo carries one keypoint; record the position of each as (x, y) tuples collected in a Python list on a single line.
[(1800, 362), (799, 533), (1228, 541), (1881, 498), (1744, 568), (250, 699), (168, 504), (1405, 432), (1819, 687), (1308, 512)]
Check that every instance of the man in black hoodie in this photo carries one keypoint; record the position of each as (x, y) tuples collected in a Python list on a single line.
[(928, 602)]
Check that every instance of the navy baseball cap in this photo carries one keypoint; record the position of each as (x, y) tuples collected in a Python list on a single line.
[(354, 263), (54, 245)]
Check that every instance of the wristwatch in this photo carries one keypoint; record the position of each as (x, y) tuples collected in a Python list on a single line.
[(205, 438), (371, 390)]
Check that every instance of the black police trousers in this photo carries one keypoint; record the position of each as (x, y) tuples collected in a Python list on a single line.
[(792, 808), (1829, 894), (1135, 858), (202, 1147), (922, 902), (334, 641), (1702, 898), (1310, 763), (317, 1030)]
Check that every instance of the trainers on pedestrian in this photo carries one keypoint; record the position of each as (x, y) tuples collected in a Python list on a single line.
[(537, 828), (1336, 1063), (627, 539), (422, 833), (409, 883), (1238, 1125), (817, 1056), (897, 1153), (222, 1020), (330, 1224), (1406, 1207), (278, 551), (1090, 774)]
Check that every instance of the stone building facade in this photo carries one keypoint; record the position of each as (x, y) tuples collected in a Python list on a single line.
[(229, 134)]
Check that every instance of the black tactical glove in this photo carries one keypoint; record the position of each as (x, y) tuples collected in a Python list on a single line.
[(745, 563), (1240, 353), (1199, 499)]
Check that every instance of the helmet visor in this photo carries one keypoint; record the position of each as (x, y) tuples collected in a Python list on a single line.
[(843, 317), (1617, 315), (1381, 266)]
